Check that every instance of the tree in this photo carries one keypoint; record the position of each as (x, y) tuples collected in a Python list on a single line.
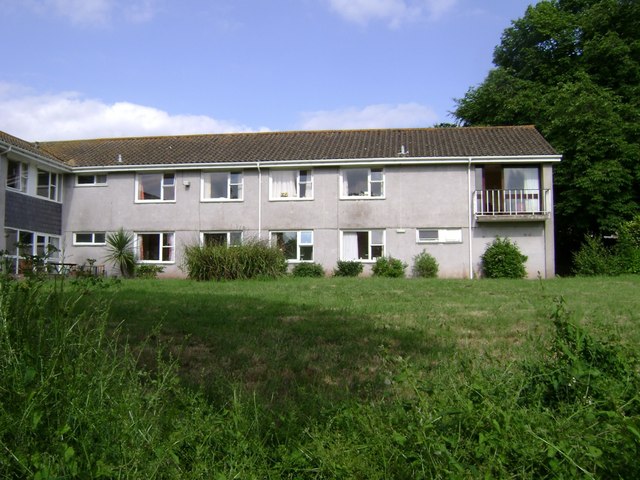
[(120, 252), (572, 68)]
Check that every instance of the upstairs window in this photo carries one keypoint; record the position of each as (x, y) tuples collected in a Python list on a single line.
[(91, 179), (363, 245), (48, 185), (291, 184), (156, 187), (17, 173), (222, 186), (296, 246), (226, 239), (362, 182)]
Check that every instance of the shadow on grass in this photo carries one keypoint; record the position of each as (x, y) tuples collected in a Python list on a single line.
[(287, 353)]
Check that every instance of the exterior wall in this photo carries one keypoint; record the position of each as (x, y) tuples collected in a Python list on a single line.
[(3, 202), (426, 196)]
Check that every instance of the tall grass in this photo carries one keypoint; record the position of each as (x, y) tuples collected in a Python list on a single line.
[(218, 262)]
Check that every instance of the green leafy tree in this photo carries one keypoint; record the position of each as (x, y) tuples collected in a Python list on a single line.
[(572, 68)]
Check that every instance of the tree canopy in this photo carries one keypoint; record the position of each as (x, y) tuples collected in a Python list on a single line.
[(572, 69)]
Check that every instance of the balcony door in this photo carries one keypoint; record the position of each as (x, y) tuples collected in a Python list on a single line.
[(510, 190)]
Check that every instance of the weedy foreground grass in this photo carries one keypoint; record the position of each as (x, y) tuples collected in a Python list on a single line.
[(321, 378)]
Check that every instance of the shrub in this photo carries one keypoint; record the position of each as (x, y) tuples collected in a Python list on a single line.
[(148, 271), (424, 265), (594, 258), (503, 259), (348, 268), (250, 260), (308, 270), (389, 267), (628, 247), (120, 252)]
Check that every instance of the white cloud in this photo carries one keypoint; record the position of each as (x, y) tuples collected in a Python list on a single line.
[(373, 116), (68, 115), (394, 12), (94, 12)]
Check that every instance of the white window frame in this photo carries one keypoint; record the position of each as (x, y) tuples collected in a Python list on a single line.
[(97, 238), (238, 183), (300, 243), (171, 247), (52, 186), (284, 196), (99, 180), (370, 258), (32, 248), (166, 184), (22, 178), (230, 234), (442, 235), (344, 191)]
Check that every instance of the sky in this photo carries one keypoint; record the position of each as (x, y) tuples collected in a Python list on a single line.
[(75, 69)]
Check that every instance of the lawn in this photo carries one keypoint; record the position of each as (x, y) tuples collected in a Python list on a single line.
[(365, 378), (332, 336)]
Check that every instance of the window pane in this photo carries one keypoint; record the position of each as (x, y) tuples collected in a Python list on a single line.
[(167, 247), (306, 238), (428, 235), (86, 179), (377, 237), (149, 186), (43, 183), (377, 252), (101, 179), (235, 238), (219, 185), (99, 238), (84, 237), (13, 174), (376, 175), (376, 189), (283, 183), (306, 253), (215, 239), (53, 248), (363, 245), (149, 246), (356, 180), (521, 178), (169, 179)]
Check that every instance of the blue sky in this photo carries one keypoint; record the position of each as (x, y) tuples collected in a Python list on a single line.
[(95, 68)]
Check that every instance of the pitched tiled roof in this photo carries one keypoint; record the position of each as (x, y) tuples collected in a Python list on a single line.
[(302, 146), (29, 147)]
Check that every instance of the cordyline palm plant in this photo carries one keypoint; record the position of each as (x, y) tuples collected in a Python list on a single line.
[(120, 251)]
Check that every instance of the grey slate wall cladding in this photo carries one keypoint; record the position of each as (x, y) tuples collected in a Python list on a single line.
[(31, 213)]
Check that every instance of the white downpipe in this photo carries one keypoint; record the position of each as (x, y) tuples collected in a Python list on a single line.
[(259, 201), (471, 200)]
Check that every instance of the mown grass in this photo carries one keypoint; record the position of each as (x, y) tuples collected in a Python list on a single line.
[(328, 334), (323, 378)]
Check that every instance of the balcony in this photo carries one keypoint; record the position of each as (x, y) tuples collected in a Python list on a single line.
[(512, 205)]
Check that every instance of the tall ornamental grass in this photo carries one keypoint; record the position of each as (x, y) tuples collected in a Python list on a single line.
[(217, 262)]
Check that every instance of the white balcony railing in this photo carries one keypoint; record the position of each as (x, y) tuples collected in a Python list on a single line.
[(512, 202)]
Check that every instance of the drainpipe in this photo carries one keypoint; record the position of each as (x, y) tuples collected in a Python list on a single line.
[(471, 199), (259, 201)]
